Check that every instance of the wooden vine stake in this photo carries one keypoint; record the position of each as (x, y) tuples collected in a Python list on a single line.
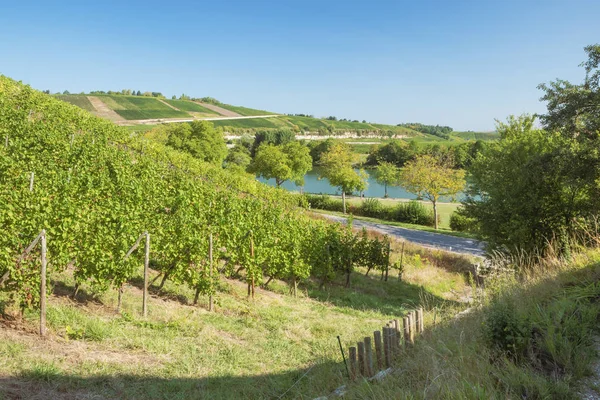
[(43, 285), (146, 265), (31, 182), (210, 271)]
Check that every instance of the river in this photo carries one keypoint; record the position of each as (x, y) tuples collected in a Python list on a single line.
[(312, 184)]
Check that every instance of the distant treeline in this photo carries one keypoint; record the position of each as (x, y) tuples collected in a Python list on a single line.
[(437, 130)]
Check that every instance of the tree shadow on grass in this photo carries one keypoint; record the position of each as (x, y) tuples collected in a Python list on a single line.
[(61, 289), (163, 293), (44, 381), (392, 298)]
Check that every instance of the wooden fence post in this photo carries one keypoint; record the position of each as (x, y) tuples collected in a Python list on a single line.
[(361, 358), (413, 320), (386, 348), (420, 325), (352, 357), (411, 328), (210, 271), (31, 182), (43, 286), (398, 334), (378, 350), (368, 357), (146, 266), (401, 262), (406, 326)]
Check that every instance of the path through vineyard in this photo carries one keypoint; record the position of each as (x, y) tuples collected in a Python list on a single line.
[(427, 239)]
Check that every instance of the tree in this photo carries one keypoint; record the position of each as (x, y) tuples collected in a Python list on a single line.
[(138, 93), (198, 138), (173, 97), (573, 109), (396, 152), (337, 169), (428, 178), (386, 174), (274, 136), (288, 162), (238, 158), (66, 92), (532, 188)]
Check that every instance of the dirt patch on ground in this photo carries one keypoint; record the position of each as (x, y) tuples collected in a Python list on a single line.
[(103, 111)]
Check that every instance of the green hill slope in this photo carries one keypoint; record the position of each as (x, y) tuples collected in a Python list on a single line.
[(139, 108)]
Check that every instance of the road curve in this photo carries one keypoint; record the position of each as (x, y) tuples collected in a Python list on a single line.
[(427, 239)]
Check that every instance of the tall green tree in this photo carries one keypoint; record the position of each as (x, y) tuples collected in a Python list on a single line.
[(198, 138), (573, 109), (428, 178), (338, 170), (289, 162), (386, 174), (532, 188)]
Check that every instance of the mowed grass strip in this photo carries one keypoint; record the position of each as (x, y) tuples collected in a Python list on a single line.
[(78, 100), (134, 108)]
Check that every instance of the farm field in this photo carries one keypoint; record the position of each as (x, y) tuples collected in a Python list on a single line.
[(136, 107), (78, 100), (245, 111), (190, 106), (252, 123)]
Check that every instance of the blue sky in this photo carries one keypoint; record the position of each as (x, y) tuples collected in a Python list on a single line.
[(457, 63)]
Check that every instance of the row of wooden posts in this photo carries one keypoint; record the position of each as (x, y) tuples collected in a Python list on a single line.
[(388, 343)]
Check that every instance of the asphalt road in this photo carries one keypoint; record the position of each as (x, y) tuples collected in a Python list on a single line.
[(427, 239)]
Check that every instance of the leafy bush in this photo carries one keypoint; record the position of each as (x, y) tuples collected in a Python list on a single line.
[(413, 212), (462, 223), (505, 330), (372, 208)]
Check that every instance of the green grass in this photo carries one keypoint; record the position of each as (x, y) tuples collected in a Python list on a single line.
[(190, 106), (552, 318), (261, 348), (254, 349), (79, 100), (134, 107)]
